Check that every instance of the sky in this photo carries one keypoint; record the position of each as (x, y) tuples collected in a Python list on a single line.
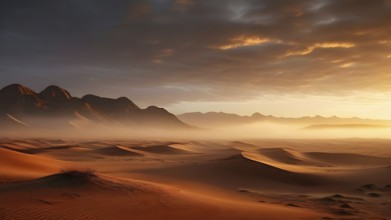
[(279, 57)]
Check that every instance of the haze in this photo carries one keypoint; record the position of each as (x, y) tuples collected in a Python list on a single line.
[(195, 109)]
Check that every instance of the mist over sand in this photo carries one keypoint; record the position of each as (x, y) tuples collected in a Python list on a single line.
[(259, 130)]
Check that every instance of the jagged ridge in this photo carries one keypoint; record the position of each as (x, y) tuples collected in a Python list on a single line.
[(22, 104)]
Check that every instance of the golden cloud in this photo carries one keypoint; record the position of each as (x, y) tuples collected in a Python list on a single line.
[(243, 41), (313, 47), (347, 65)]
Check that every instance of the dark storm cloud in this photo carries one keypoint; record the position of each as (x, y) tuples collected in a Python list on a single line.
[(162, 51)]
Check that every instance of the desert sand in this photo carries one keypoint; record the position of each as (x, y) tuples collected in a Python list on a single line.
[(251, 179)]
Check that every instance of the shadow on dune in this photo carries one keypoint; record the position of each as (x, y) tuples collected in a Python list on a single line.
[(85, 180), (40, 150), (288, 156), (116, 151), (238, 171), (64, 179), (161, 149)]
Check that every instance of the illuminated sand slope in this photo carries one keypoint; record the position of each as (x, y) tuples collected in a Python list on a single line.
[(258, 179)]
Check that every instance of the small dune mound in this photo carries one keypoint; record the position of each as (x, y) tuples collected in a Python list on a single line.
[(243, 160), (161, 149), (72, 178), (86, 180), (245, 165), (116, 151), (60, 147), (24, 150), (28, 149), (65, 179), (287, 156), (54, 141)]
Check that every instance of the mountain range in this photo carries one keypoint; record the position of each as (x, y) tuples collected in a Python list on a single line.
[(20, 106), (222, 119), (55, 107)]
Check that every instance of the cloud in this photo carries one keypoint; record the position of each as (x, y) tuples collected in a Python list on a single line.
[(346, 65), (243, 41), (311, 48), (217, 50), (164, 53)]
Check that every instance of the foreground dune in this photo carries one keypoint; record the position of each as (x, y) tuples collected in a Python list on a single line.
[(84, 195), (262, 179)]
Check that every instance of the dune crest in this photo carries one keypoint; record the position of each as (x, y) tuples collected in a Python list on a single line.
[(14, 165), (116, 150), (162, 149)]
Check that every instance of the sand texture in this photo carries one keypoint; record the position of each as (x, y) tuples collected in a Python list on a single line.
[(257, 179)]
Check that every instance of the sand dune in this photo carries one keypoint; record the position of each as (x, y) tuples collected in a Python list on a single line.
[(161, 149), (14, 165), (295, 160), (25, 150), (287, 156), (38, 150), (117, 151), (225, 172), (85, 179), (196, 179), (80, 195)]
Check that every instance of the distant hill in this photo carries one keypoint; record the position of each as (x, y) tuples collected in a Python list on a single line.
[(221, 119), (20, 106), (346, 126)]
